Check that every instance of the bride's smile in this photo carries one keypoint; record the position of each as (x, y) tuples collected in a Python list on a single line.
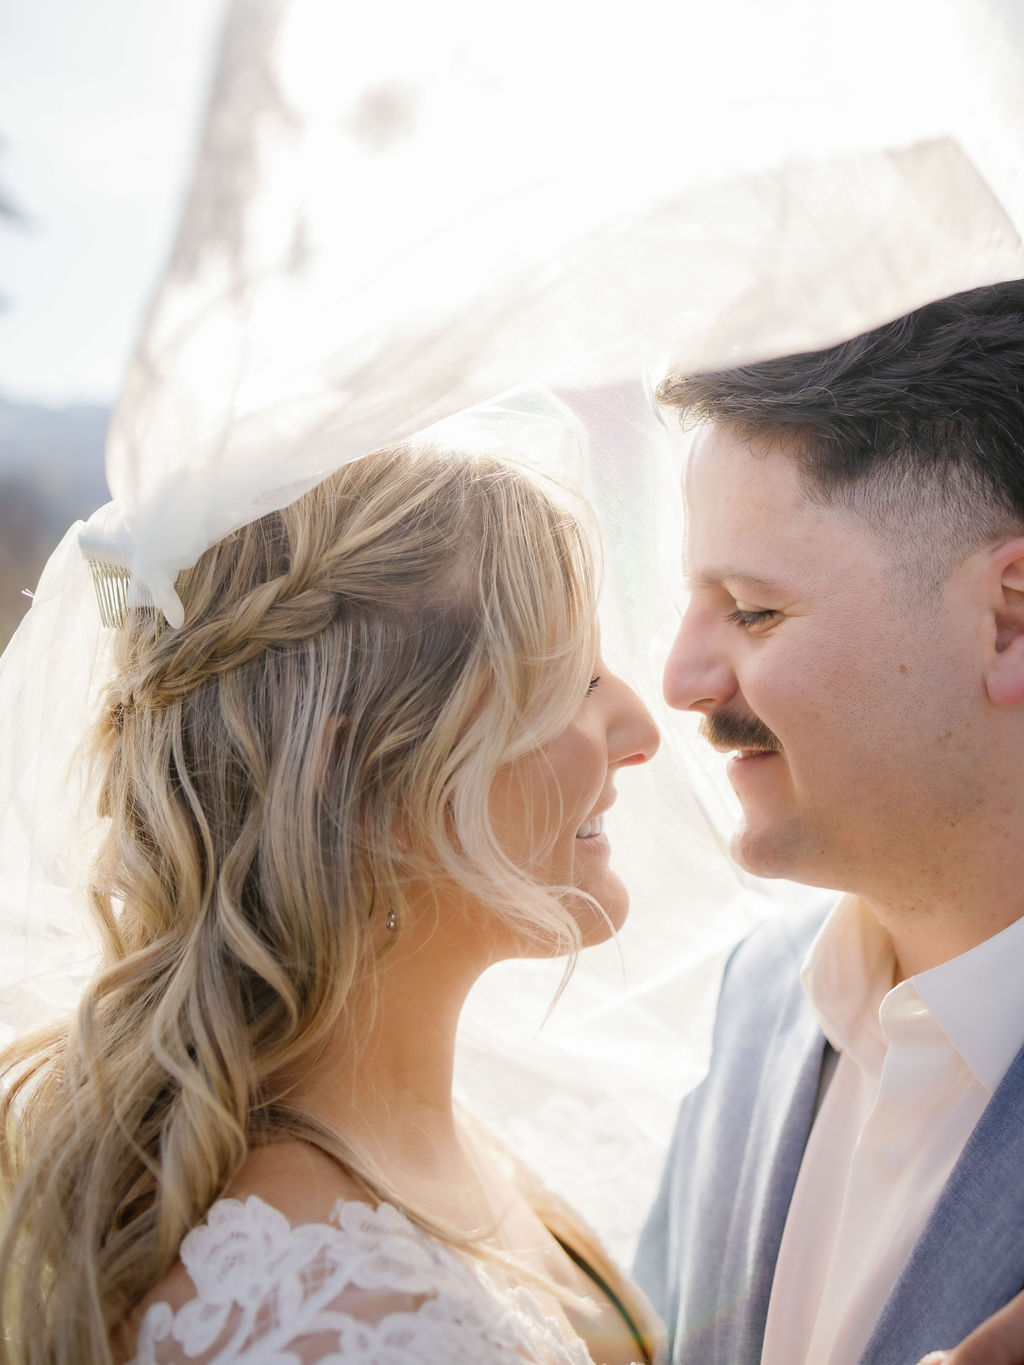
[(548, 808)]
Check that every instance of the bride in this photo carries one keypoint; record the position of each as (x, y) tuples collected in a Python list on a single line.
[(372, 761)]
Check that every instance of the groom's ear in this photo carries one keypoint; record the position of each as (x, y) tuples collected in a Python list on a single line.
[(1004, 662)]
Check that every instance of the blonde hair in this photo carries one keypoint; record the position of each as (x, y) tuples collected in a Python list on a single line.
[(367, 658)]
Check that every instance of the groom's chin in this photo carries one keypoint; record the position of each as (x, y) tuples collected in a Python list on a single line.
[(776, 848)]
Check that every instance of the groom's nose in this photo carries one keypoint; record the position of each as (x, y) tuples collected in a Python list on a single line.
[(698, 674)]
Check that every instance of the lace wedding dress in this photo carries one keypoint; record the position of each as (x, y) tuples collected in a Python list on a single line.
[(368, 1286)]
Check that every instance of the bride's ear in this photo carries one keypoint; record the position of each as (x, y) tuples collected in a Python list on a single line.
[(1004, 663)]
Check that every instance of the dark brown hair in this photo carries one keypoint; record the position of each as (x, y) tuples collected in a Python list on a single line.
[(923, 416)]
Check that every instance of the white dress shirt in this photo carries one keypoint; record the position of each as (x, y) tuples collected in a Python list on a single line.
[(917, 1065)]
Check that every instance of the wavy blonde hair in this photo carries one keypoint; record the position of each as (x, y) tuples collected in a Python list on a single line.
[(370, 656)]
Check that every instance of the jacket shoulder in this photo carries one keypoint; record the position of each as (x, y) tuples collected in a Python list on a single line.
[(763, 971)]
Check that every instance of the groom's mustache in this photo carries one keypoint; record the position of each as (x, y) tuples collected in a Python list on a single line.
[(725, 730)]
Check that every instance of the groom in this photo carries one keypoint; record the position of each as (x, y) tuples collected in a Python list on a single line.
[(847, 1184)]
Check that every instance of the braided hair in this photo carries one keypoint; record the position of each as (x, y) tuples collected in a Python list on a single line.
[(369, 656)]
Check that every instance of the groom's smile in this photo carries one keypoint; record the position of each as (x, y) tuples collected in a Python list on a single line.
[(837, 696)]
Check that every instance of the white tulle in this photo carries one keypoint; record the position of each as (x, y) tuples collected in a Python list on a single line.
[(366, 1287), (403, 210)]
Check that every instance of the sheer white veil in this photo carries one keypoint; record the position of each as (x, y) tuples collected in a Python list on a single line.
[(402, 212)]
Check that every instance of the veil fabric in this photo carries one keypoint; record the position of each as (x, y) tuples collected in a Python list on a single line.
[(408, 215)]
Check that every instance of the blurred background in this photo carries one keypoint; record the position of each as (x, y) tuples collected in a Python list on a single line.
[(100, 108)]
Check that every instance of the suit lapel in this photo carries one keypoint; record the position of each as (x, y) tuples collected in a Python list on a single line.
[(969, 1259), (775, 1145)]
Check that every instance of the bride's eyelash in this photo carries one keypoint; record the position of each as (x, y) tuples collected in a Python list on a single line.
[(593, 684), (747, 619)]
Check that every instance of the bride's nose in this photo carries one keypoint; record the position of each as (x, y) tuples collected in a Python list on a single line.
[(632, 734)]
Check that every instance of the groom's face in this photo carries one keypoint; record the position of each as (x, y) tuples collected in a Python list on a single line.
[(845, 700)]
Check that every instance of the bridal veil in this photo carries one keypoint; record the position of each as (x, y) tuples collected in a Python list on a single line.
[(511, 222)]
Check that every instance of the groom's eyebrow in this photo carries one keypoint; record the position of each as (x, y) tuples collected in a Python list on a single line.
[(714, 578)]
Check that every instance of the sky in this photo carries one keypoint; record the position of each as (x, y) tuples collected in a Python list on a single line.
[(100, 108)]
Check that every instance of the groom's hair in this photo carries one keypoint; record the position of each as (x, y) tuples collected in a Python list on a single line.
[(918, 423)]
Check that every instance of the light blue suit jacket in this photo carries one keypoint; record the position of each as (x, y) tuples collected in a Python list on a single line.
[(708, 1252)]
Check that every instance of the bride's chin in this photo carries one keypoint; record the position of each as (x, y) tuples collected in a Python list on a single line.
[(600, 918), (600, 930)]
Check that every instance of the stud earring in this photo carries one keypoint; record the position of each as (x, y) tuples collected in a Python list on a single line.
[(391, 921)]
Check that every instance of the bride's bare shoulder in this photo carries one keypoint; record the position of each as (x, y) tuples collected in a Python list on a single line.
[(297, 1178), (288, 1184)]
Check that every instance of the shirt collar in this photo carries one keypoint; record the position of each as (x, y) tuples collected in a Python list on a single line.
[(975, 998), (977, 1001), (848, 970)]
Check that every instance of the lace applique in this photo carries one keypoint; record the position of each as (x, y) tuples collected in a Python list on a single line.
[(369, 1286)]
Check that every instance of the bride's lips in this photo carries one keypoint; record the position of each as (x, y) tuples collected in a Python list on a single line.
[(591, 836)]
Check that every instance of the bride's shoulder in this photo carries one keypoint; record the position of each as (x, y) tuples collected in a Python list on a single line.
[(294, 1260)]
